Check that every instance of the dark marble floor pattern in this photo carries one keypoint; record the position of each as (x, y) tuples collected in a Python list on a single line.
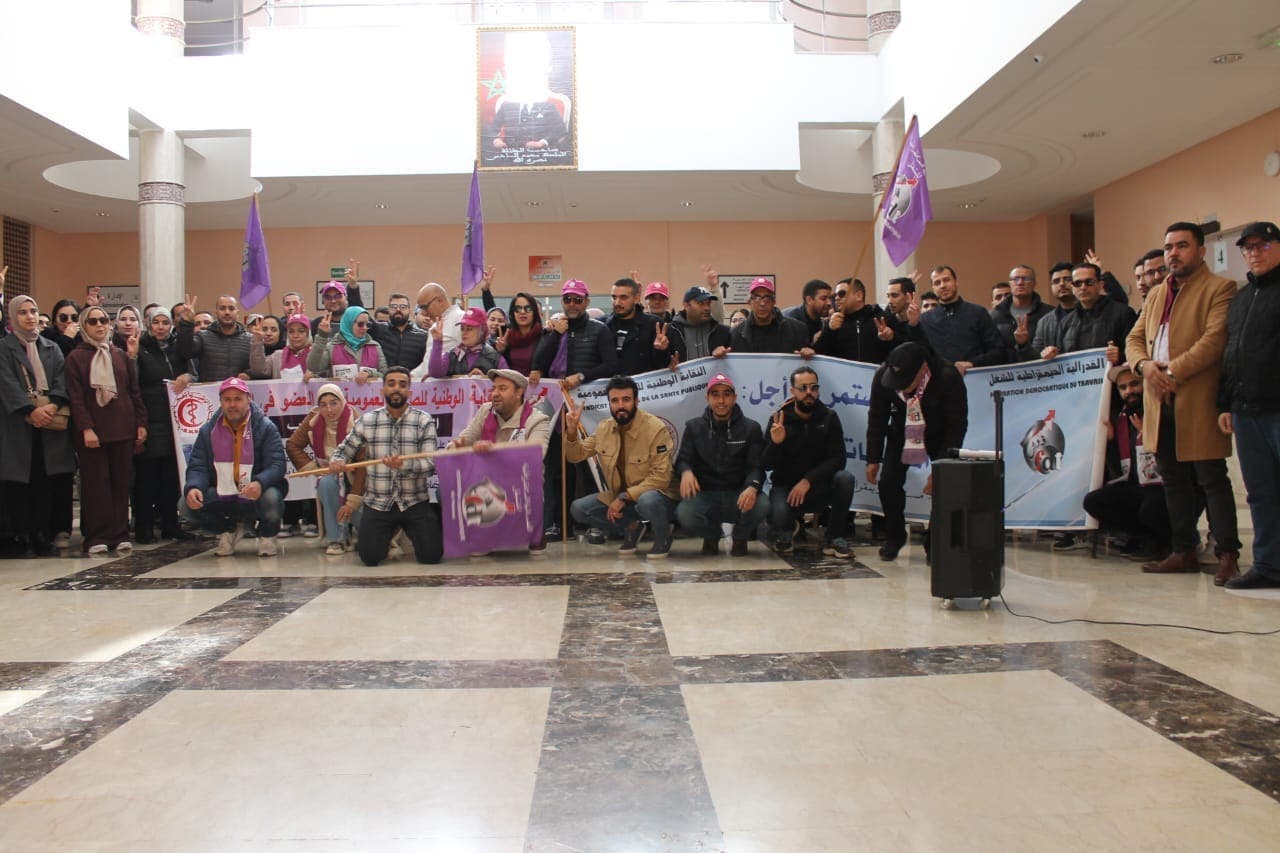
[(619, 763)]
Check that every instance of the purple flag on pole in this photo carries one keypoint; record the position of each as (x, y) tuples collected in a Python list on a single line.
[(255, 273), (473, 243), (491, 501), (906, 205)]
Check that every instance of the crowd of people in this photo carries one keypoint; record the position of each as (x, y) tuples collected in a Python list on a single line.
[(87, 391)]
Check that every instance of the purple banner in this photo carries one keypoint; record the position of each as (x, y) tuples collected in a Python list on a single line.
[(490, 501), (473, 242), (906, 205), (255, 273)]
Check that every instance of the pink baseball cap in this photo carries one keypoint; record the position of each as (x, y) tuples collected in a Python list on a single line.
[(299, 319), (334, 285), (762, 282), (575, 286), (232, 383), (657, 288), (474, 317), (720, 379)]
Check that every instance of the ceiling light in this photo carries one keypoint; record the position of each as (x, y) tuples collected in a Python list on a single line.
[(103, 213), (686, 204), (1093, 134), (1227, 58), (380, 206), (55, 210), (967, 205), (573, 204), (534, 203)]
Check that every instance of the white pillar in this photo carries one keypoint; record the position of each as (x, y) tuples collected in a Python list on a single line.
[(883, 17), (164, 22), (886, 137), (162, 217)]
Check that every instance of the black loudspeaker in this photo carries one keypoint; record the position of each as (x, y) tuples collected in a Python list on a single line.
[(967, 529)]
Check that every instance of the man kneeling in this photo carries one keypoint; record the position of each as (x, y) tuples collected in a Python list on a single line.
[(635, 453), (396, 495), (236, 473)]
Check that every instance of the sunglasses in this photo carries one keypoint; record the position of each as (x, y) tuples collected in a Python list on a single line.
[(96, 321), (363, 324), (812, 386), (522, 309), (1084, 282), (573, 300), (68, 318)]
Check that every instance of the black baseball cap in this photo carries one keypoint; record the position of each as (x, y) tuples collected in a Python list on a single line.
[(902, 365), (699, 294), (1265, 230)]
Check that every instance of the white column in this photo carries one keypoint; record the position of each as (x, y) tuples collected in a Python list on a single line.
[(882, 19), (162, 217), (164, 21), (886, 137)]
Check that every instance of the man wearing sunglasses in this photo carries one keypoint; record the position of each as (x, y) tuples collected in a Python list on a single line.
[(804, 448), (766, 330), (1097, 320), (434, 303), (402, 342), (584, 346)]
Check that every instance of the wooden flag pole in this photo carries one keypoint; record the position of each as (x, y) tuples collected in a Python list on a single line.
[(893, 173), (426, 454)]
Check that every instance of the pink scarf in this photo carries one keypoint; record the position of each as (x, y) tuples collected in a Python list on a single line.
[(913, 450), (489, 432), (289, 358)]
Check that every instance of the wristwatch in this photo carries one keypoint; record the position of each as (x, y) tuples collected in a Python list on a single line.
[(1137, 368)]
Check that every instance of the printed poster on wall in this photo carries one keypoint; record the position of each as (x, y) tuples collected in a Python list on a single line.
[(546, 270), (526, 98)]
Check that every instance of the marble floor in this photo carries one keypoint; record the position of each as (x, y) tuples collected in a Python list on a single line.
[(172, 700)]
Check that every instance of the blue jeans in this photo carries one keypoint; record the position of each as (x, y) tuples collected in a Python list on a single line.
[(703, 514), (835, 496), (1258, 442), (653, 507), (330, 503), (222, 516)]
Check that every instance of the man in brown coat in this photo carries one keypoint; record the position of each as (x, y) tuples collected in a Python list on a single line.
[(1176, 346)]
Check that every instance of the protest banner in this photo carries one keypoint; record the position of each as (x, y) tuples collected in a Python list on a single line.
[(490, 501)]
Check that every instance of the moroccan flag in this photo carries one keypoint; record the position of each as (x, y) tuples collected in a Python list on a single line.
[(473, 243), (906, 205), (255, 272), (491, 501)]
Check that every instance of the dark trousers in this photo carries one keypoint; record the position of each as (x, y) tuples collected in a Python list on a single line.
[(61, 487), (105, 474), (1258, 441), (893, 497), (155, 495), (28, 504), (1126, 507), (834, 496), (420, 522), (1180, 480)]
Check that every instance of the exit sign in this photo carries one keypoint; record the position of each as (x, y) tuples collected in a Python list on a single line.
[(338, 273)]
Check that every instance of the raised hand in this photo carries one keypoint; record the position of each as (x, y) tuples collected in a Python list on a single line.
[(634, 275), (258, 334), (710, 276), (836, 320), (572, 416), (660, 341), (187, 310), (325, 326), (913, 308), (131, 345), (93, 299), (1113, 352), (486, 279), (1021, 335), (883, 330), (777, 430), (437, 330), (916, 278), (353, 270), (501, 343), (1091, 257)]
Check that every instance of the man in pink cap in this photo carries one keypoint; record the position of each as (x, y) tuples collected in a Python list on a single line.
[(657, 298), (236, 473), (642, 341), (721, 471), (766, 330)]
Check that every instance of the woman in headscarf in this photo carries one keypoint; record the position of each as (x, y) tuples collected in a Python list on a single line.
[(292, 357), (522, 336), (65, 330), (128, 327), (108, 425), (351, 352), (272, 328), (37, 461), (312, 443), (155, 487), (473, 357)]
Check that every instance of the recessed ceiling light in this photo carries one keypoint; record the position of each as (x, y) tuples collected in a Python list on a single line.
[(686, 204), (1093, 134), (55, 210), (534, 203), (103, 213), (967, 205), (573, 204), (1227, 58), (380, 206)]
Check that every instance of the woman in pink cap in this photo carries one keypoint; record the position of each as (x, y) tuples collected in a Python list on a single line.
[(473, 357), (292, 357)]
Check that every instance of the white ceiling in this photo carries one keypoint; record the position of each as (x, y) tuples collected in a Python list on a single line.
[(1139, 70)]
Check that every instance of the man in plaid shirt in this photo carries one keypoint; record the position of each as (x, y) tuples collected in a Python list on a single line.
[(396, 493)]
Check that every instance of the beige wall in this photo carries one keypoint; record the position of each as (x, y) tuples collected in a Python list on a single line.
[(1220, 178), (402, 258)]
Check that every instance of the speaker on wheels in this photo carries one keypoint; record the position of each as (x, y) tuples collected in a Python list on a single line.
[(967, 529)]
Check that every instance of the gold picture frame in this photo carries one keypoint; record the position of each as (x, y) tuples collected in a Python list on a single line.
[(526, 98)]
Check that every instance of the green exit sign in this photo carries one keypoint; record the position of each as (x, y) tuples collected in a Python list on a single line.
[(338, 273)]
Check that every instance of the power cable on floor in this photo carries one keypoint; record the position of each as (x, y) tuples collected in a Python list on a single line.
[(1133, 624)]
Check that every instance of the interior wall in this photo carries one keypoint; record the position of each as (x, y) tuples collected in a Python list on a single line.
[(1220, 178), (403, 258)]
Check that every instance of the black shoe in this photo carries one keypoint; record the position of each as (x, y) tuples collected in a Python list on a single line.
[(710, 547), (144, 539), (631, 539), (552, 533), (889, 550), (739, 548), (595, 537), (1253, 579), (42, 547)]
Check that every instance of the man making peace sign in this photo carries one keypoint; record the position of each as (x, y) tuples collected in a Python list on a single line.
[(643, 342)]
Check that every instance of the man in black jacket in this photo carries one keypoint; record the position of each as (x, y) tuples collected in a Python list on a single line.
[(857, 331), (701, 335), (222, 349), (402, 342), (641, 341), (1098, 321), (961, 332), (1249, 397), (805, 451), (814, 307), (1048, 340), (918, 410), (1017, 317), (766, 330), (589, 351), (720, 471)]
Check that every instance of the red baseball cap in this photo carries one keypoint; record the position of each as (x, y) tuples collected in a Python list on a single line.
[(657, 288), (762, 282), (720, 379), (232, 383)]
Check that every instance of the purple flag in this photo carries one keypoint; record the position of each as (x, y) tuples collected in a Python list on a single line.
[(255, 273), (473, 243), (906, 205), (491, 501)]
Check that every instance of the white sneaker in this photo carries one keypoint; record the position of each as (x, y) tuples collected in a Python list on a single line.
[(310, 531), (286, 531), (97, 550), (124, 548), (62, 540), (334, 549), (227, 543), (267, 546)]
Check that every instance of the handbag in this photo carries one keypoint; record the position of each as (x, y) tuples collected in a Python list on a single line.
[(61, 418)]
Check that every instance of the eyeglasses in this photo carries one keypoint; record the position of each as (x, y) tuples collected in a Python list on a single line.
[(1018, 278), (812, 386), (1062, 280), (570, 299), (1084, 282), (404, 307), (1155, 273), (522, 309), (68, 318), (1260, 246), (763, 297), (96, 321)]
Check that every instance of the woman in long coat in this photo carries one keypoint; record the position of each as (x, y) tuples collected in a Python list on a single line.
[(36, 459), (155, 488)]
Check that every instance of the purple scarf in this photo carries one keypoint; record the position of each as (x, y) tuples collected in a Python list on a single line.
[(913, 450), (560, 364), (232, 458), (288, 358), (342, 355), (489, 432)]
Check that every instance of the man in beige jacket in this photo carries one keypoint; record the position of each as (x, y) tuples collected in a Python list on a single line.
[(636, 452), (1176, 347)]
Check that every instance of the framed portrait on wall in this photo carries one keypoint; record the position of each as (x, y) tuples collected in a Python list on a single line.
[(526, 89)]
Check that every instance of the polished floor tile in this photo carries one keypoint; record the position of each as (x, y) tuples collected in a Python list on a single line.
[(473, 623), (63, 625), (10, 699), (440, 769)]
